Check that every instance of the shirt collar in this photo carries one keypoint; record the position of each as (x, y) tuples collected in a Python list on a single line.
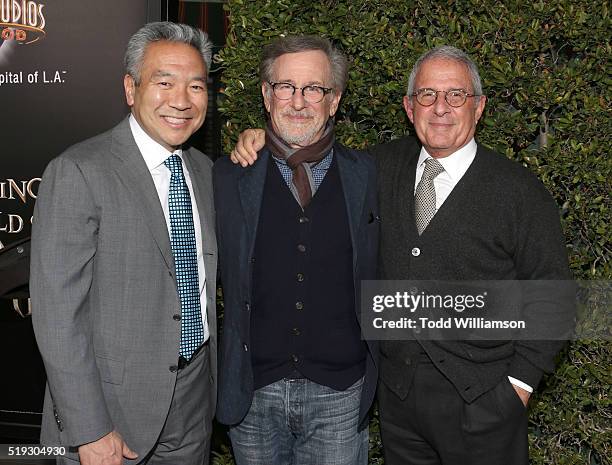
[(154, 154), (457, 163)]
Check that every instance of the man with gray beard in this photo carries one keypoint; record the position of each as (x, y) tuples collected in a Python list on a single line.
[(297, 233)]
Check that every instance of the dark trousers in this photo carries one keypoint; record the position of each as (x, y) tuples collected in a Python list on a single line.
[(433, 425)]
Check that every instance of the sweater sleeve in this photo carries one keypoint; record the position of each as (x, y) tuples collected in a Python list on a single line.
[(542, 265)]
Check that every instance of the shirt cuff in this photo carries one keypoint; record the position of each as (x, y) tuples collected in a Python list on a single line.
[(520, 384)]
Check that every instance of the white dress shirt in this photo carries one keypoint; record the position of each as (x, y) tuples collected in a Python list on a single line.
[(154, 156), (455, 165)]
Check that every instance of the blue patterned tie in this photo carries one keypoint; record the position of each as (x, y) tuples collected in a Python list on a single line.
[(183, 244)]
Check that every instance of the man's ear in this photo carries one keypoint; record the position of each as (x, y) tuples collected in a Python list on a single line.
[(333, 107), (408, 108), (265, 92), (130, 89), (480, 106)]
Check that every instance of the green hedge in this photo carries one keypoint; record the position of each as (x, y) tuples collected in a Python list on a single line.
[(546, 72)]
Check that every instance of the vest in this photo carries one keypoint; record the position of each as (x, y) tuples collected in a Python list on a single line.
[(303, 309)]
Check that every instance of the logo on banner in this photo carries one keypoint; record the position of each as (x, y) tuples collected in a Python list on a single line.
[(21, 21)]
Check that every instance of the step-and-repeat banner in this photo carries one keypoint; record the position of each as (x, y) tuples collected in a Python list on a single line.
[(61, 81)]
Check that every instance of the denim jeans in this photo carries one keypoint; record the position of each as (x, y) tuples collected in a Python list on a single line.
[(299, 422)]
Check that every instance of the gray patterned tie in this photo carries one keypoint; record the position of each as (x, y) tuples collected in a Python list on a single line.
[(425, 195)]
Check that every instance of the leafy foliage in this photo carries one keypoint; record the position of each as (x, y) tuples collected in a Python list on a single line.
[(546, 74)]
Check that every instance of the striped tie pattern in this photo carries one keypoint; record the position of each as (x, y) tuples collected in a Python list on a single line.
[(183, 244), (425, 195)]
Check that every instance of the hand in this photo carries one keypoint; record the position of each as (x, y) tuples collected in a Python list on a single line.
[(249, 142), (108, 450), (524, 395)]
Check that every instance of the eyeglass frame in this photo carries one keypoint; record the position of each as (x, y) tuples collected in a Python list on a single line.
[(326, 90), (446, 92)]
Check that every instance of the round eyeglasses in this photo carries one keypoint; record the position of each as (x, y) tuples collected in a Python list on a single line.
[(312, 93), (454, 97)]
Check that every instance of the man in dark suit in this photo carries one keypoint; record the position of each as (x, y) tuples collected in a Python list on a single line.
[(297, 232), (453, 210), (123, 270)]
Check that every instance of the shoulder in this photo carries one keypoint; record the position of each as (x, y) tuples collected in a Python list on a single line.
[(407, 145), (200, 159), (224, 167), (511, 176), (393, 155), (89, 149), (84, 155), (360, 157)]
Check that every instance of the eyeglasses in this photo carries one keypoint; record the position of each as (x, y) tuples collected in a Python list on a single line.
[(312, 93), (454, 97)]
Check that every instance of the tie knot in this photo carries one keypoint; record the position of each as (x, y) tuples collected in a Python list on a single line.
[(432, 168), (173, 163)]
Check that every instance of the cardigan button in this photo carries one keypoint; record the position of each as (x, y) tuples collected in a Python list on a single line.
[(295, 331), (303, 219), (416, 252), (299, 305), (295, 358), (300, 277), (301, 247)]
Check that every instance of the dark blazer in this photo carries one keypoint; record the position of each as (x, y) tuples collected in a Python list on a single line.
[(498, 223), (238, 198)]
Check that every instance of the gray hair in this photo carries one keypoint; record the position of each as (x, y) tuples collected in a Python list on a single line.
[(447, 52), (305, 43), (160, 31)]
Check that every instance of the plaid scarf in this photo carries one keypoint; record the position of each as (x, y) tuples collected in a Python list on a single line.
[(301, 160)]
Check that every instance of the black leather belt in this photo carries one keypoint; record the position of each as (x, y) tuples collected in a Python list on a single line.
[(183, 362)]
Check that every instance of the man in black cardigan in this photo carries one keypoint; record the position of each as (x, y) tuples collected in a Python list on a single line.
[(487, 218), (462, 402)]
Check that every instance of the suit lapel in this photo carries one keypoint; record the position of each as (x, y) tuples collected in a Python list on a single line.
[(136, 177), (250, 188), (354, 179), (201, 182), (203, 193)]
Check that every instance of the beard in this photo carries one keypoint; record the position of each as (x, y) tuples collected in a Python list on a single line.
[(303, 133)]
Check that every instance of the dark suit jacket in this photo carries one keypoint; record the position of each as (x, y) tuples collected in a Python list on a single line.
[(104, 291), (238, 198), (498, 223)]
